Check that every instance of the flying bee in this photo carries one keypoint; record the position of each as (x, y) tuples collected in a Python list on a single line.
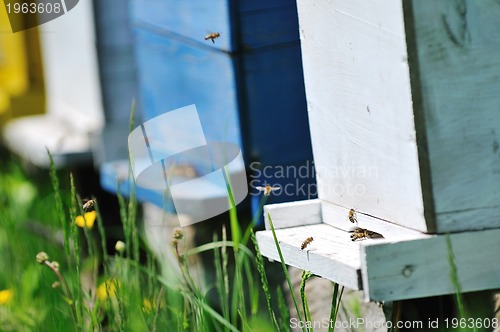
[(306, 242), (267, 189), (90, 203), (212, 36), (352, 216), (363, 233)]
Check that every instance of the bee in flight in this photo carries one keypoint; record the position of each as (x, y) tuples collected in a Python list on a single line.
[(267, 189), (89, 204), (363, 233), (352, 216), (306, 243), (212, 36)]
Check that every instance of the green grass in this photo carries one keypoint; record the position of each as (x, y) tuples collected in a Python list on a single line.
[(120, 291), (124, 290)]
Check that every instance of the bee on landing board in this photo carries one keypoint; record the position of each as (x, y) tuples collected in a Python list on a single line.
[(212, 36), (267, 189), (306, 243), (352, 216), (89, 204), (363, 233)]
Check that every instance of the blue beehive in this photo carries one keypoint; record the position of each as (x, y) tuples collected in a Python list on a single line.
[(247, 85)]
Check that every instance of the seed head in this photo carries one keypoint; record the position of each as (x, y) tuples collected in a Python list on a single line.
[(120, 246), (178, 234), (42, 257)]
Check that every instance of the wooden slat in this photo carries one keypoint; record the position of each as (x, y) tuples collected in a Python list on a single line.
[(293, 214), (332, 255), (360, 108), (458, 83), (337, 216), (420, 268), (189, 21)]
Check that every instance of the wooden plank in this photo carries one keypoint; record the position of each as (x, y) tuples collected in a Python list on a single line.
[(264, 24), (293, 214), (332, 254), (73, 114), (337, 216), (70, 59), (283, 92), (360, 108), (458, 83), (173, 74), (420, 268), (186, 21)]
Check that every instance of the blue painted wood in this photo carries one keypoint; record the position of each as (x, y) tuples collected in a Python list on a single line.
[(118, 77), (173, 74), (114, 177), (261, 23), (267, 23), (189, 20), (247, 86), (278, 123)]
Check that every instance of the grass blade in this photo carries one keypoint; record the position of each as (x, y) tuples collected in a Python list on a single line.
[(285, 270), (305, 276), (233, 217), (334, 306), (284, 320), (263, 278), (59, 203), (454, 279), (221, 277)]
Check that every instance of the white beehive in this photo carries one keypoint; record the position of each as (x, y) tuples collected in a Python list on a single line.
[(402, 99)]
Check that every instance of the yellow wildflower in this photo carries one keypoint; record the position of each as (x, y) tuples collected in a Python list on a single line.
[(147, 305), (5, 296), (87, 220), (106, 289)]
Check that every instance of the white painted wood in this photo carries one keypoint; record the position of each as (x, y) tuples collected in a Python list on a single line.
[(293, 214), (71, 68), (74, 106), (404, 264), (458, 84), (337, 216), (332, 254), (360, 108), (420, 268), (393, 156)]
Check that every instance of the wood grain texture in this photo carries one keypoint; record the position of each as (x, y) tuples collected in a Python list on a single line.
[(73, 95), (421, 268), (243, 25), (360, 108), (404, 264), (173, 74), (337, 216), (293, 214), (459, 84), (331, 255), (186, 21)]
